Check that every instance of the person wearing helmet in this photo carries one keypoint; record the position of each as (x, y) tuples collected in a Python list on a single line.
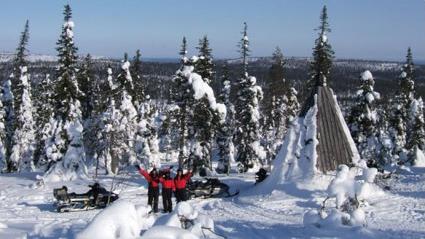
[(153, 190), (180, 182)]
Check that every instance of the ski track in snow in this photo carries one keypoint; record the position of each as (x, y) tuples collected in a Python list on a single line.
[(28, 212)]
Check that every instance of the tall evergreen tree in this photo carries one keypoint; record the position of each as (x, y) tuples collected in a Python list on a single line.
[(18, 62), (8, 105), (87, 85), (127, 115), (124, 81), (182, 97), (416, 142), (139, 84), (363, 119), (3, 161), (204, 65), (183, 49), (147, 144), (322, 54), (225, 132), (277, 86), (400, 120), (68, 160), (44, 112), (250, 152), (244, 48), (22, 156)]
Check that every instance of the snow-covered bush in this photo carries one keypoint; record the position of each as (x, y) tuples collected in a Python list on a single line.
[(184, 222), (351, 189), (120, 220)]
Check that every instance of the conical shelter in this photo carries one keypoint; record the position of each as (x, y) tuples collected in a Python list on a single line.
[(317, 141), (335, 144)]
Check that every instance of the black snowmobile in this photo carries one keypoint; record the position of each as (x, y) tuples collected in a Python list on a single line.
[(96, 197), (210, 187)]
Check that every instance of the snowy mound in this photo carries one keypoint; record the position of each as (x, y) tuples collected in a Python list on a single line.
[(120, 220), (296, 160), (350, 192), (183, 222)]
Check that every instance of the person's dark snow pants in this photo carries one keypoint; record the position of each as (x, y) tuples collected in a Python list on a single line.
[(167, 193), (153, 195), (181, 195)]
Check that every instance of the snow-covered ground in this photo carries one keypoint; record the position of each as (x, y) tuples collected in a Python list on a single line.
[(27, 211)]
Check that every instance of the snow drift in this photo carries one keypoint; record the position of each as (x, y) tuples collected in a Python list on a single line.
[(184, 222), (120, 220)]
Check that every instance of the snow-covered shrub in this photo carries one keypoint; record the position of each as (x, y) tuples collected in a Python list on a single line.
[(184, 222), (351, 188), (120, 220)]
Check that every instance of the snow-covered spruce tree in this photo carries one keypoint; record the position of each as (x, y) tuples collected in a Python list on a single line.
[(18, 62), (147, 144), (44, 112), (204, 119), (13, 91), (416, 142), (8, 106), (277, 104), (124, 81), (169, 128), (87, 85), (385, 144), (400, 121), (183, 49), (108, 146), (363, 119), (204, 66), (127, 115), (181, 95), (322, 54), (225, 131), (22, 156), (2, 135), (250, 152), (139, 84), (65, 149), (109, 140)]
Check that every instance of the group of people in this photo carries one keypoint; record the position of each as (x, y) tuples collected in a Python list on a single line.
[(169, 185)]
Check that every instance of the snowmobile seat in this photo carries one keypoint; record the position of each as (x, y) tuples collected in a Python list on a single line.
[(61, 194)]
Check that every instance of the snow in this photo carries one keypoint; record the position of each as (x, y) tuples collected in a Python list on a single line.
[(420, 158), (324, 38), (72, 165), (366, 75), (168, 232), (28, 212), (184, 216), (295, 161), (202, 89), (121, 220)]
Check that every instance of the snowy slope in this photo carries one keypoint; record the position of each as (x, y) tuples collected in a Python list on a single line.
[(27, 212)]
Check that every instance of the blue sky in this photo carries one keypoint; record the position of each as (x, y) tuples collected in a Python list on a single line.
[(373, 29)]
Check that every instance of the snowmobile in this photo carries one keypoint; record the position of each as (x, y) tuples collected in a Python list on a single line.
[(96, 197), (211, 187), (261, 175)]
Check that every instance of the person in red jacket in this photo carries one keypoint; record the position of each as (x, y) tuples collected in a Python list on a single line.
[(180, 181), (167, 191), (153, 189)]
